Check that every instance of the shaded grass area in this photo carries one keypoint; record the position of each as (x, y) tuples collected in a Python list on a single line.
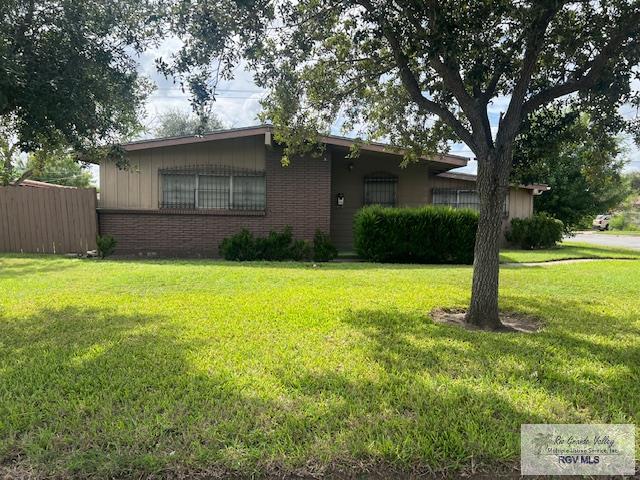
[(567, 251), (156, 367)]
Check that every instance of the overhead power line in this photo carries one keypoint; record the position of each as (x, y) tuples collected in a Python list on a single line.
[(217, 90)]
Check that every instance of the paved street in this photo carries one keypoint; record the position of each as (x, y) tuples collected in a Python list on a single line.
[(609, 240)]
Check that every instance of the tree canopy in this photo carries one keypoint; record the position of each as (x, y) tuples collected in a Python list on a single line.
[(67, 76), (59, 167), (581, 163), (634, 181), (178, 122), (417, 73), (423, 74), (9, 157)]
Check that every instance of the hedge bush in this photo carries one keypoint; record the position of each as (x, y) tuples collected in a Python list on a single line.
[(538, 231), (415, 235), (276, 246), (240, 247), (106, 245), (280, 246), (323, 249)]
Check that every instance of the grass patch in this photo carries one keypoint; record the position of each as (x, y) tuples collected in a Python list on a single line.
[(128, 368), (633, 233), (567, 251)]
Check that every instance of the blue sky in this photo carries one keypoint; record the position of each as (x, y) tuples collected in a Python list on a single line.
[(238, 102)]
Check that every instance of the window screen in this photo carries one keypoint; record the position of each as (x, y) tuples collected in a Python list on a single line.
[(442, 196), (468, 199), (249, 193), (178, 190), (462, 199), (213, 191), (380, 191)]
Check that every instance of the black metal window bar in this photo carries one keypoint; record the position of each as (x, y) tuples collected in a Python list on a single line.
[(213, 188), (463, 199), (380, 190)]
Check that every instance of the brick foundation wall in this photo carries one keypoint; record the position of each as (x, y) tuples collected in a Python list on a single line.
[(298, 195)]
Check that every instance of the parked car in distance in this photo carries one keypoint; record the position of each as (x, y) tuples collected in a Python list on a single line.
[(601, 222)]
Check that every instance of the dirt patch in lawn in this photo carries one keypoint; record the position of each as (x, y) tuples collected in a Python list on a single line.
[(511, 321)]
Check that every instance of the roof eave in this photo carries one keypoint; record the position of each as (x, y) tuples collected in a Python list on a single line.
[(452, 160), (469, 177), (186, 140)]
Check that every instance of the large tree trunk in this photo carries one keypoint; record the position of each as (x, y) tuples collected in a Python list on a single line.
[(492, 184)]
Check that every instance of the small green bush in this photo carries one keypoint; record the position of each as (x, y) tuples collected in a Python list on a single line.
[(538, 231), (106, 245), (416, 235), (617, 222), (623, 221), (300, 250), (276, 246), (323, 249), (241, 247)]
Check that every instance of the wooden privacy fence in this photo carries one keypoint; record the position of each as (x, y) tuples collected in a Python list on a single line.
[(47, 220)]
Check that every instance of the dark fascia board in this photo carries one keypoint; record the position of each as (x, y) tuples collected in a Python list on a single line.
[(469, 177), (453, 160), (189, 139)]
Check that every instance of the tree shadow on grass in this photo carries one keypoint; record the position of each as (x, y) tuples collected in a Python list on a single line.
[(483, 386), (99, 392), (589, 362), (94, 392), (10, 269)]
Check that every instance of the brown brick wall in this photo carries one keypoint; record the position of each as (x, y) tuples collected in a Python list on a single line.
[(297, 195)]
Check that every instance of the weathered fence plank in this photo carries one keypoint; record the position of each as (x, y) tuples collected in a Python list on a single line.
[(47, 220)]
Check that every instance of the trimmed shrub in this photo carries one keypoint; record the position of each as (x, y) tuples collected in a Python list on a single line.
[(416, 235), (538, 231), (276, 246), (300, 250), (241, 247), (323, 249), (106, 245)]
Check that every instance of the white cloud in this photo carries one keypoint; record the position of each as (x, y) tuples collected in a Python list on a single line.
[(237, 101)]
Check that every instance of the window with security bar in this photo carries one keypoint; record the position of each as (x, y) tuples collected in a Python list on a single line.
[(178, 191), (463, 199), (213, 190), (380, 190)]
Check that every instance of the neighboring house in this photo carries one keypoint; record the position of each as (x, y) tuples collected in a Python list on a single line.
[(184, 195)]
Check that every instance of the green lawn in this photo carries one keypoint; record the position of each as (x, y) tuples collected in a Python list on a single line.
[(567, 251), (634, 233), (127, 368)]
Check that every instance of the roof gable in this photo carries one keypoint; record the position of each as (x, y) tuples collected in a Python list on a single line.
[(267, 130)]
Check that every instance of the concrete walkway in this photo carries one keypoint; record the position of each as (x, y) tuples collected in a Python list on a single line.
[(607, 239)]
